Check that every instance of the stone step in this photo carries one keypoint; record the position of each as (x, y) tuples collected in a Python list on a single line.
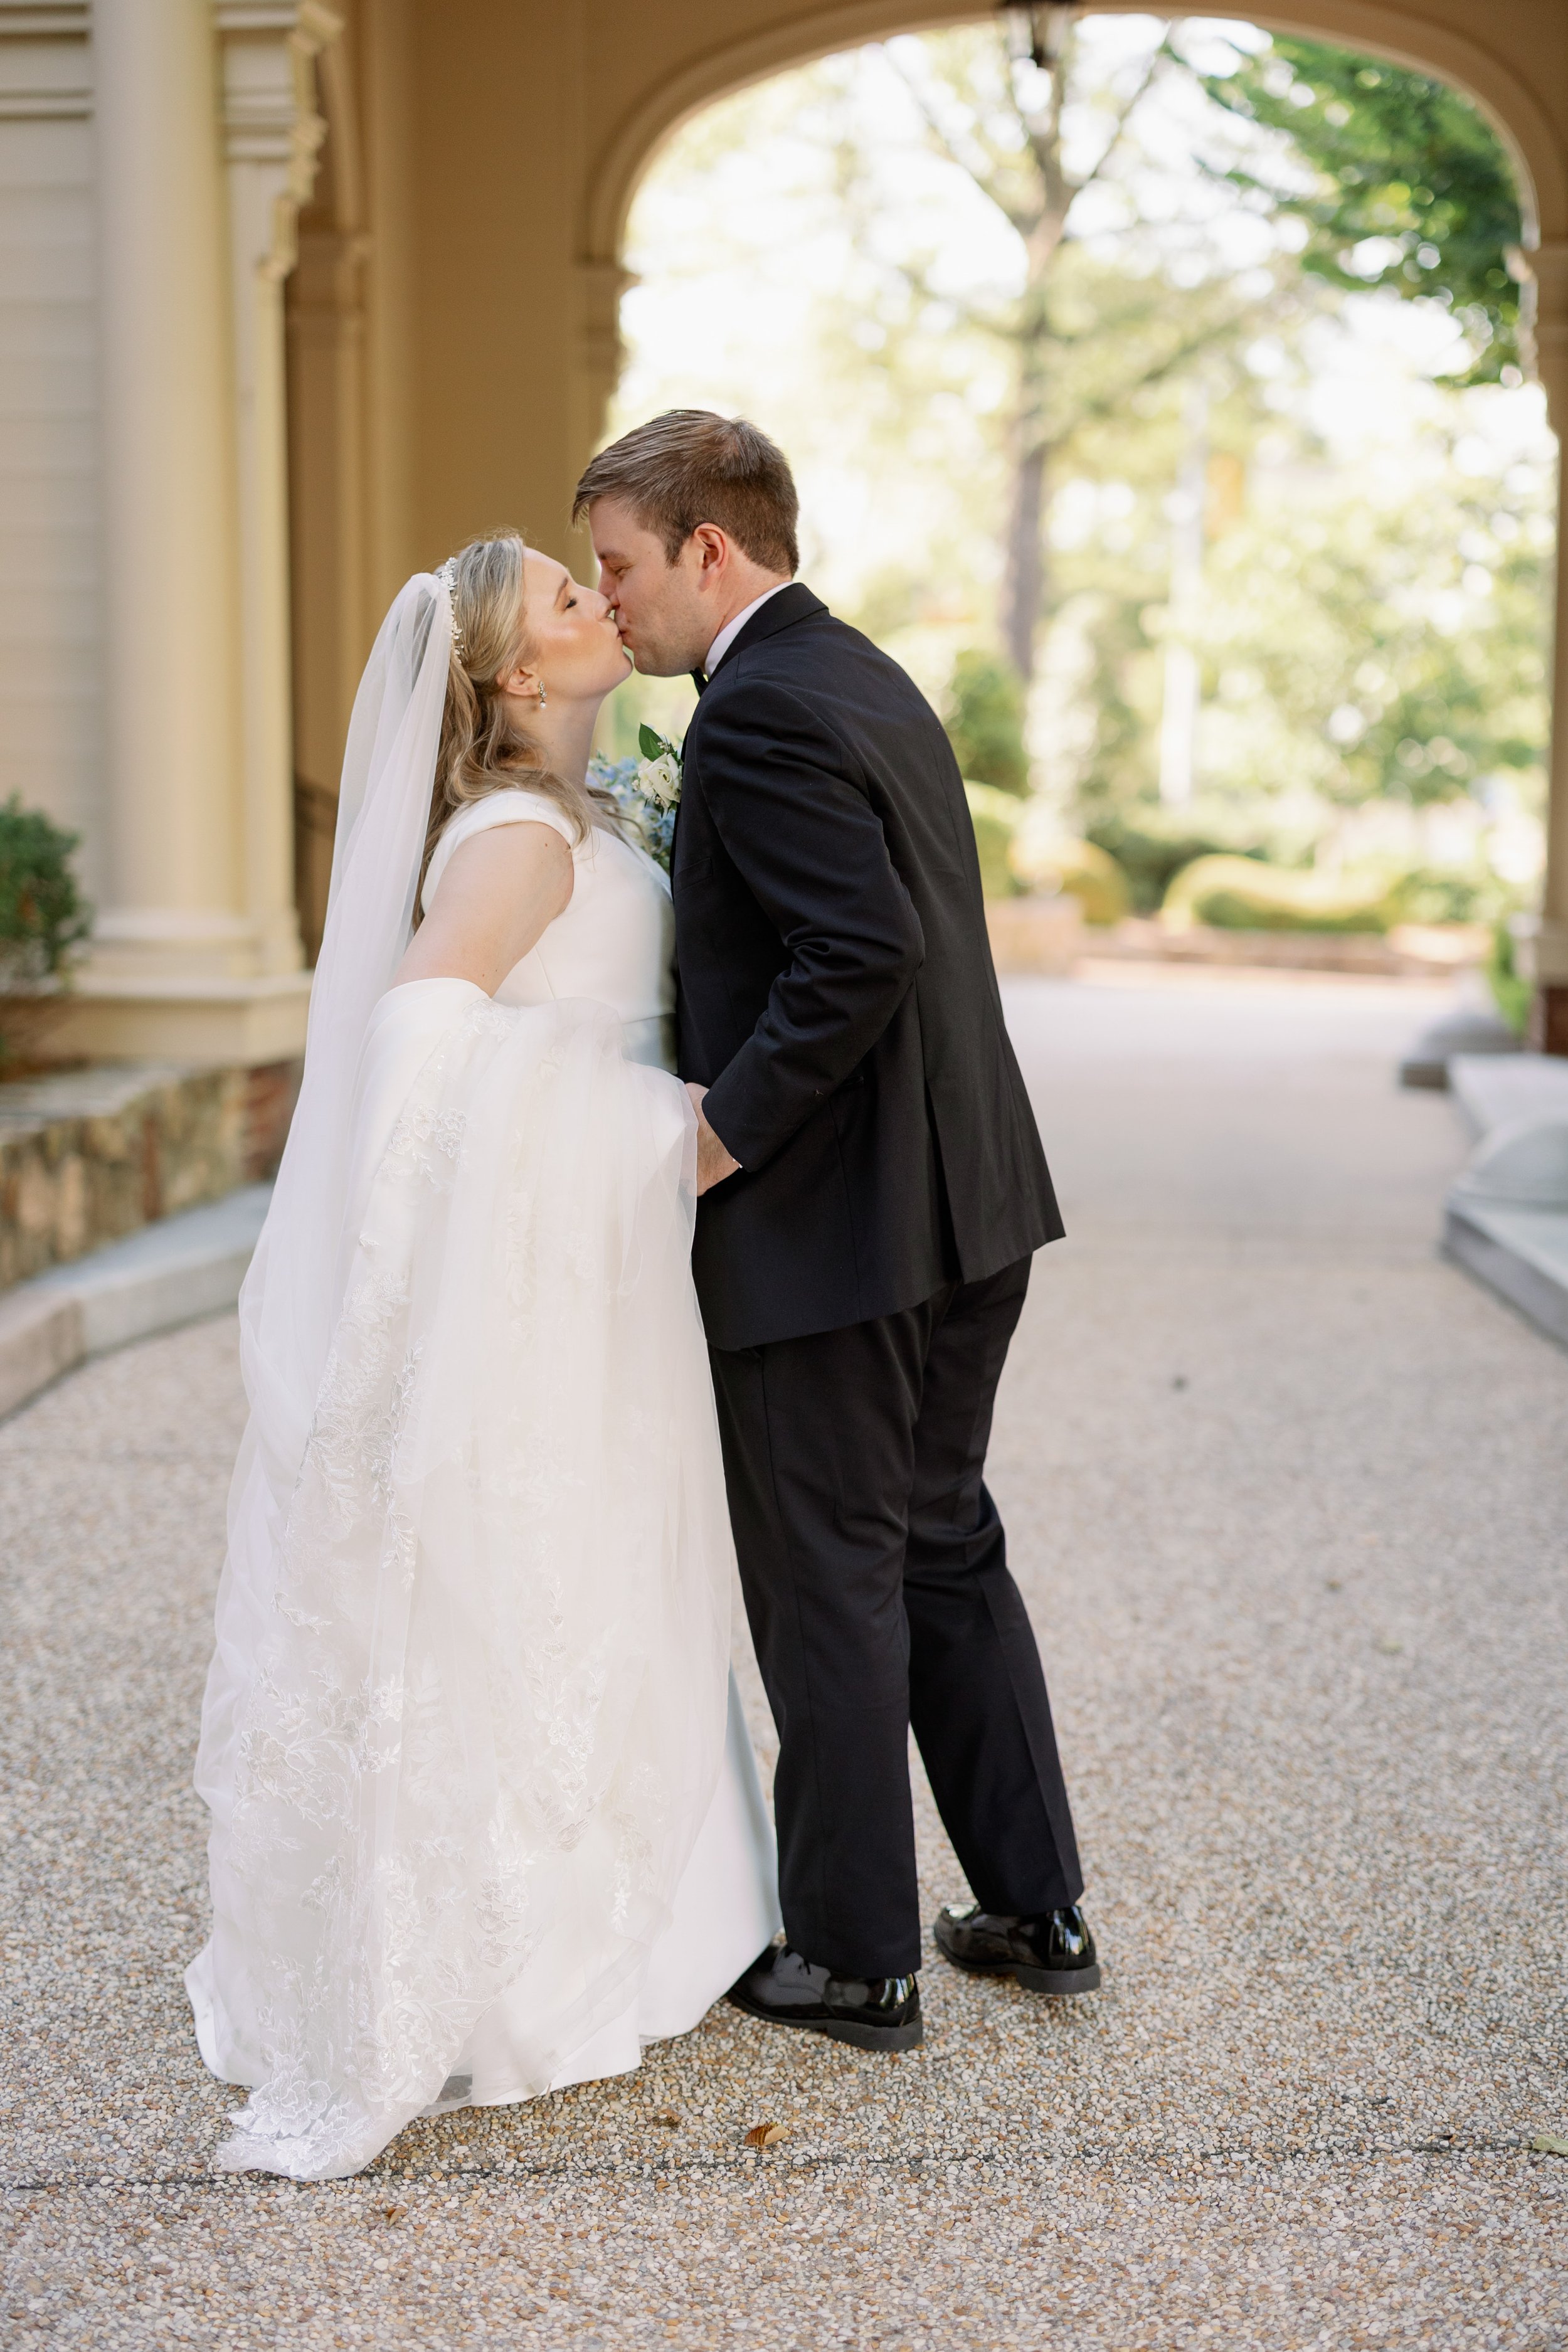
[(1506, 1219), (184, 1266)]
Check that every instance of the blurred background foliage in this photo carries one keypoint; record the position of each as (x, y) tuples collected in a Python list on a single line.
[(44, 918), (1156, 397), (983, 716), (1409, 188)]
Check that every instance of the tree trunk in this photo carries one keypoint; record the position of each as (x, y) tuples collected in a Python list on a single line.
[(1024, 583)]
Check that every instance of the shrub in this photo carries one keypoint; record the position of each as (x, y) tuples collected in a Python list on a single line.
[(984, 721), (1242, 894), (1044, 859), (1426, 896), (1151, 849), (43, 915)]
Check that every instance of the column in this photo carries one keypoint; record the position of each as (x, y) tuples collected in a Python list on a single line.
[(1543, 939), (170, 737), (271, 137)]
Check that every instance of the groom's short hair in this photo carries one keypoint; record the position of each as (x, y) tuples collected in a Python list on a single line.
[(691, 465)]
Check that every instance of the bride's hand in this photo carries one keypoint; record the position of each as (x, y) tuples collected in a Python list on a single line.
[(714, 1162)]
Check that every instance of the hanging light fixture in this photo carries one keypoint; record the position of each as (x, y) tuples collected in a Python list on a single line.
[(1037, 29)]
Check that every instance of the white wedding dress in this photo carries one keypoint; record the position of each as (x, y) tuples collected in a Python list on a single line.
[(486, 1816)]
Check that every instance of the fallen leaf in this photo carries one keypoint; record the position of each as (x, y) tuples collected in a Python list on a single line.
[(395, 2213), (1548, 2144), (669, 2117), (766, 2135), (1391, 1649)]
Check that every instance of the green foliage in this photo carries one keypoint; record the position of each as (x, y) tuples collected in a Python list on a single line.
[(1252, 894), (995, 816), (43, 915), (1425, 895), (1243, 894), (1360, 640), (653, 745), (1045, 858), (1372, 624), (1400, 645), (1397, 158), (1150, 845), (1511, 991), (984, 721)]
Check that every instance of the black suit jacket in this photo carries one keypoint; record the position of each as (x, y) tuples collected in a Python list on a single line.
[(836, 994)]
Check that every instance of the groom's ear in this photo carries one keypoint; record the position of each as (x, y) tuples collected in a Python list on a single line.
[(711, 548)]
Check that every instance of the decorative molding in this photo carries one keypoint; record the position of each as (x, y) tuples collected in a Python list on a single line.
[(272, 133), (600, 286), (269, 114), (1543, 326), (46, 64)]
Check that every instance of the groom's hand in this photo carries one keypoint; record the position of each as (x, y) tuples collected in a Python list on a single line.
[(713, 1163)]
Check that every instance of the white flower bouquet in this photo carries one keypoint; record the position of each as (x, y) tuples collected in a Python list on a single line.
[(646, 792)]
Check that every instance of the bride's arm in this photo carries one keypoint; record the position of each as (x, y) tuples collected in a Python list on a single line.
[(498, 894)]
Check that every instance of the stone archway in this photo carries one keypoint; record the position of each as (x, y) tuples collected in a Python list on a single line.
[(454, 330), (1501, 73)]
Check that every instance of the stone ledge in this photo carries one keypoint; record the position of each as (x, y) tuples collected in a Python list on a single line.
[(1493, 1092), (172, 1272), (41, 1337), (1506, 1219), (1522, 1253), (89, 1156), (1411, 951)]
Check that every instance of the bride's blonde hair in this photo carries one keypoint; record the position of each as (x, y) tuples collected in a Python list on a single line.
[(482, 748)]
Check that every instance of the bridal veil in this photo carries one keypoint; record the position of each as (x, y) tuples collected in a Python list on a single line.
[(467, 1707)]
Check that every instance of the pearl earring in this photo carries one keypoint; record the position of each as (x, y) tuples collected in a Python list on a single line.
[(543, 698)]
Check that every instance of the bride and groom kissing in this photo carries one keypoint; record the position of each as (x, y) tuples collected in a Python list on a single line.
[(630, 1229)]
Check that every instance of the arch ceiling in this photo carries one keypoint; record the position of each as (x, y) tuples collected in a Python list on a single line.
[(1433, 41)]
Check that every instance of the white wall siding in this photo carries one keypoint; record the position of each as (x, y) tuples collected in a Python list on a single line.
[(50, 713)]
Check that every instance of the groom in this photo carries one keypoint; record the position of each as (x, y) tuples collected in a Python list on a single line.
[(872, 1189)]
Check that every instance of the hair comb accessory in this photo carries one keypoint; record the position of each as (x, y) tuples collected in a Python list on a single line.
[(447, 574)]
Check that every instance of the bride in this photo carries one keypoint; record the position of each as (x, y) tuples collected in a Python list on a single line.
[(484, 1820)]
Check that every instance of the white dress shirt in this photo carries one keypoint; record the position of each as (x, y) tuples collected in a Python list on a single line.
[(732, 629)]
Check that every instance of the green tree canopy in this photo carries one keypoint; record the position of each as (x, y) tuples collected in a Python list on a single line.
[(1410, 190)]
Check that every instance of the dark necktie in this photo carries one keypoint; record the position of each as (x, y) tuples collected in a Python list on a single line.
[(699, 679)]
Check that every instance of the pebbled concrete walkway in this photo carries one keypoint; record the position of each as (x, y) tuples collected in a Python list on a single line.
[(1289, 1498)]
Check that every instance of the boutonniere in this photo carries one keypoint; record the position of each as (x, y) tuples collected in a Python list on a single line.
[(645, 794), (659, 769)]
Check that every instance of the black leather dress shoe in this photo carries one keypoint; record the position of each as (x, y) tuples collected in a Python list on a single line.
[(1054, 1953), (875, 2013)]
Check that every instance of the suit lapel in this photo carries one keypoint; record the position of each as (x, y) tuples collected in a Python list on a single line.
[(793, 603)]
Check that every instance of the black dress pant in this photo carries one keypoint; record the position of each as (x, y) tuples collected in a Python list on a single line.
[(876, 1578)]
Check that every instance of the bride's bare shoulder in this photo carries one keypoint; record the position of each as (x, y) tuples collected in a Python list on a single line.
[(498, 891)]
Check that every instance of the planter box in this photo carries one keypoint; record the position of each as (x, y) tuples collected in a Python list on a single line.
[(1413, 951), (1034, 934)]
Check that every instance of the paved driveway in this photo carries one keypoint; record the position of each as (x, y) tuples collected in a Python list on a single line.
[(1289, 1499)]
